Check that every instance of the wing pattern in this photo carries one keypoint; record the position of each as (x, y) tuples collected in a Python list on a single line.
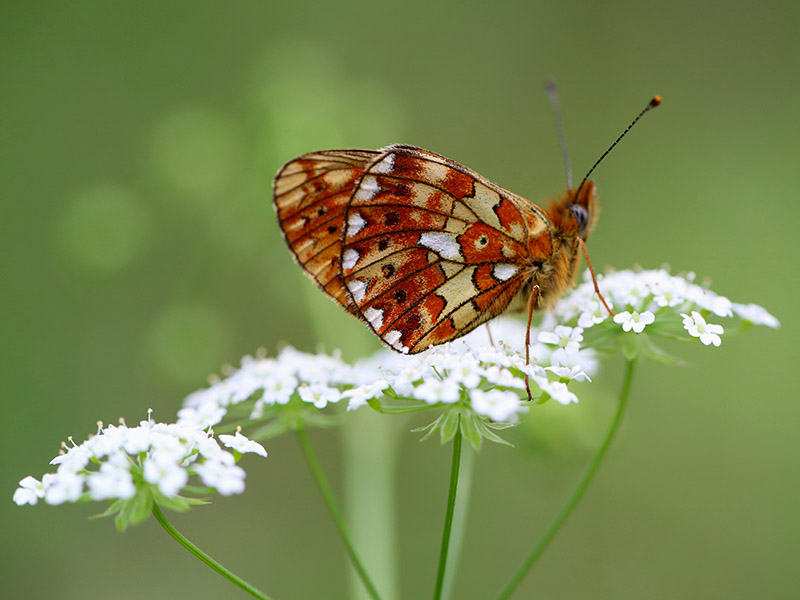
[(431, 249), (311, 194), (418, 246)]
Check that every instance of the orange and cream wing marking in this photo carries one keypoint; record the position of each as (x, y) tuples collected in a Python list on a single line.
[(311, 195), (431, 249)]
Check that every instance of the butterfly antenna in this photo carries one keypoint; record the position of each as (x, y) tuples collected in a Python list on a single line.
[(552, 94), (653, 103)]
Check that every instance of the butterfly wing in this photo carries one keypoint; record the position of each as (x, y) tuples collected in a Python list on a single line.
[(311, 194), (431, 249)]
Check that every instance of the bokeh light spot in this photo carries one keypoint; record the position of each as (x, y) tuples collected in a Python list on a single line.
[(103, 229), (196, 152), (188, 342)]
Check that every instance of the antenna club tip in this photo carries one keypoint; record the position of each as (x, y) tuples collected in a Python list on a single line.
[(655, 101)]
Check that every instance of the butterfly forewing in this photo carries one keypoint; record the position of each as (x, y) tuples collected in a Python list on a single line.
[(431, 249), (311, 196)]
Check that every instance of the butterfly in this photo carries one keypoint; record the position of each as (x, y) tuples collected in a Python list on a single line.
[(423, 249)]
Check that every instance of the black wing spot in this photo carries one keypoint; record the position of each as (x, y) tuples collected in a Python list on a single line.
[(383, 244), (391, 218), (322, 210), (332, 229), (388, 270), (401, 296), (413, 322)]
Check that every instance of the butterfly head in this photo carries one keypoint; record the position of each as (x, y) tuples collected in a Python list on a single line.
[(575, 215)]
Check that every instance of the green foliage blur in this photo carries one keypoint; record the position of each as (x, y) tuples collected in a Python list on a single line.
[(140, 253)]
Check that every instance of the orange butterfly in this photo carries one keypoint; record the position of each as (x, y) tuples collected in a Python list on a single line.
[(423, 249)]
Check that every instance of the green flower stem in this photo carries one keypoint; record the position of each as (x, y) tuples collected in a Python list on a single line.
[(234, 579), (448, 519), (579, 490), (468, 457), (335, 511), (370, 449)]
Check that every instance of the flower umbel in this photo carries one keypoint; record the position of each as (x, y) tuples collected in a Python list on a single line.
[(136, 466), (652, 303), (483, 384)]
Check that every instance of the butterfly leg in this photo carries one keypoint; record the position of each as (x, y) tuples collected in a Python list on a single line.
[(531, 304), (582, 244)]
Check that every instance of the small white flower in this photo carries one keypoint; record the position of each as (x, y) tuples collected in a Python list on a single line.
[(202, 416), (499, 406), (536, 373), (697, 327), (572, 364), (111, 481), (226, 479), (500, 376), (568, 338), (559, 392), (279, 389), (30, 490), (64, 487), (359, 395), (704, 298), (433, 390), (465, 370), (319, 394), (242, 444), (167, 475), (634, 321), (209, 449), (756, 315), (593, 314), (74, 459), (669, 292), (137, 439)]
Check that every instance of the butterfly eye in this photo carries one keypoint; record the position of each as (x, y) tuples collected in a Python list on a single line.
[(581, 216)]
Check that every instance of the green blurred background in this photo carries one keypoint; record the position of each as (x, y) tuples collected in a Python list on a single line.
[(140, 253)]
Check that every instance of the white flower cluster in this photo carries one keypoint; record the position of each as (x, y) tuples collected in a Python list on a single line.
[(490, 377), (110, 465), (641, 298)]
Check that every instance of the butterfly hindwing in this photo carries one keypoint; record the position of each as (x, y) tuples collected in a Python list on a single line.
[(431, 249), (311, 194)]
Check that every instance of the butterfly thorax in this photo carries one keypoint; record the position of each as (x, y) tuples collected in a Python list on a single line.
[(554, 253)]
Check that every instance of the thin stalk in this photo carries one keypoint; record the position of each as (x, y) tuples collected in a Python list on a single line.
[(579, 490), (448, 519), (468, 457), (234, 579), (369, 458), (335, 511)]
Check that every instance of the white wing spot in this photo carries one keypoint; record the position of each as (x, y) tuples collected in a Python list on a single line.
[(384, 166), (350, 258), (375, 317), (355, 223), (358, 288), (504, 271), (444, 244), (367, 189), (393, 339)]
